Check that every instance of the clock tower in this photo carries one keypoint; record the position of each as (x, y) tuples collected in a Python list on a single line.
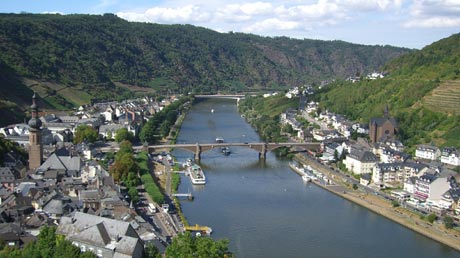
[(35, 137)]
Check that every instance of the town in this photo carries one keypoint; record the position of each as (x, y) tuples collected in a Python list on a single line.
[(68, 184)]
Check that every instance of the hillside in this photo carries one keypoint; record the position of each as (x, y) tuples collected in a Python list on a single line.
[(70, 59), (422, 91)]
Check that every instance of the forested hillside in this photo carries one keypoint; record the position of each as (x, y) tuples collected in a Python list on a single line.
[(70, 59), (422, 91)]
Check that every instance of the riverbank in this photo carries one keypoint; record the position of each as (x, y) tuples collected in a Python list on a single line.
[(383, 207)]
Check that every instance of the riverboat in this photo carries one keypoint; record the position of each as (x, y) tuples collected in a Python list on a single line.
[(196, 175), (306, 178), (226, 151), (303, 172)]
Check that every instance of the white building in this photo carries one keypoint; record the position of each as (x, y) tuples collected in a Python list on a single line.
[(450, 156), (427, 152), (360, 161)]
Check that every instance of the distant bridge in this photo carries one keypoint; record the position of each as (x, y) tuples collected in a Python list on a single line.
[(221, 96), (199, 148)]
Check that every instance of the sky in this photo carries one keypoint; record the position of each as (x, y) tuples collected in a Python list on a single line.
[(402, 23)]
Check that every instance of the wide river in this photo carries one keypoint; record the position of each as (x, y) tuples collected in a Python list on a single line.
[(266, 210)]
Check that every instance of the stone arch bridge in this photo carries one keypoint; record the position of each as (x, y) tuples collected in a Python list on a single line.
[(261, 147)]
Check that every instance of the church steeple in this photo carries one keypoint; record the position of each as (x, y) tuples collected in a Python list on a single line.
[(34, 122), (35, 137), (386, 112)]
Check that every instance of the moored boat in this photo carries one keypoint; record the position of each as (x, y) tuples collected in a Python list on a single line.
[(196, 175), (226, 150)]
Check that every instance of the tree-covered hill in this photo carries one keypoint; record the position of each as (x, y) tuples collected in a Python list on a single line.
[(422, 91), (70, 59)]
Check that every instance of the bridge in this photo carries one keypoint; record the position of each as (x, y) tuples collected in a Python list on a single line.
[(221, 96), (261, 147)]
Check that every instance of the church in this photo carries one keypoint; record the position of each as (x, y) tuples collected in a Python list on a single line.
[(382, 129)]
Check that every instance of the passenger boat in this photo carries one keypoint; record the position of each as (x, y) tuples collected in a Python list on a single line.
[(306, 178), (226, 150), (196, 175), (219, 139)]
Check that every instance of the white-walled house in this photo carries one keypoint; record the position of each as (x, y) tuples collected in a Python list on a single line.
[(427, 152), (450, 156), (360, 161), (438, 188), (111, 129)]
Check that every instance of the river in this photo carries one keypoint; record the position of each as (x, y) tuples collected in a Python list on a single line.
[(266, 210)]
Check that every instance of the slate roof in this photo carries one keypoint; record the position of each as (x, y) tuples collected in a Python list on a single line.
[(100, 231), (6, 175), (363, 155), (65, 163), (379, 121)]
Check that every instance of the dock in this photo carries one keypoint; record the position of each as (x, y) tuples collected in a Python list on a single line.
[(184, 195), (199, 228)]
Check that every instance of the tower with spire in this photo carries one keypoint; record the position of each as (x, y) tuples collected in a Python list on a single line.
[(35, 137)]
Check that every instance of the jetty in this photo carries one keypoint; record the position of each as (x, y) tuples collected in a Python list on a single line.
[(198, 228)]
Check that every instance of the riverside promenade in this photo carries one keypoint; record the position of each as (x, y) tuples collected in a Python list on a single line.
[(377, 204)]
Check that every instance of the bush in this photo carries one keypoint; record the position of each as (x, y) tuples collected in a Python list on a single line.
[(448, 222), (395, 204), (431, 218)]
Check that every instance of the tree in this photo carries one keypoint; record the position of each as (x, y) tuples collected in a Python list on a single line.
[(448, 222), (431, 218), (85, 133), (151, 251), (185, 245), (48, 245), (123, 134), (133, 194), (148, 132), (109, 135)]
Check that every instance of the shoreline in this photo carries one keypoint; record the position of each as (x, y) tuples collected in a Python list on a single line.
[(399, 215)]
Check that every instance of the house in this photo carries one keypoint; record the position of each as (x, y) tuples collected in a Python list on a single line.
[(388, 155), (450, 198), (58, 207), (332, 151), (12, 235), (427, 152), (422, 186), (409, 184), (103, 236), (360, 161), (63, 161), (109, 131), (450, 156), (385, 173), (438, 188), (7, 178)]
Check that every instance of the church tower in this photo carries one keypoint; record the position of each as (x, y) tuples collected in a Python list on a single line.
[(35, 137)]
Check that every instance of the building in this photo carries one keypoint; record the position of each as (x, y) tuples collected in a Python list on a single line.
[(35, 137), (360, 161), (382, 128), (450, 156), (103, 236), (427, 152)]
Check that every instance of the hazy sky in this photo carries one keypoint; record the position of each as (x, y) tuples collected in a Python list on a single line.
[(405, 23)]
